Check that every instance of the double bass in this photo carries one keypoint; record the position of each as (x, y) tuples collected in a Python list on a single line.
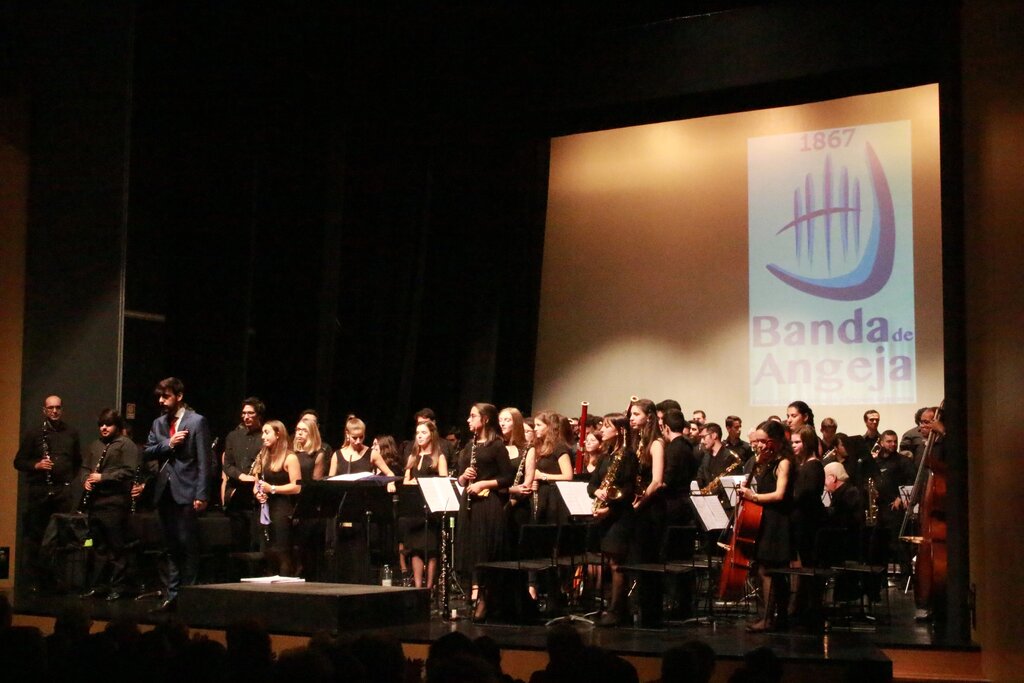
[(740, 551), (929, 492)]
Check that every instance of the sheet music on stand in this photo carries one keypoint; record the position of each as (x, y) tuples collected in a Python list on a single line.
[(576, 498), (730, 484), (906, 493), (439, 493), (710, 512)]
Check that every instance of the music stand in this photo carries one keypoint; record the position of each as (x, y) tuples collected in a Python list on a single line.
[(348, 503), (441, 496), (711, 517), (581, 513)]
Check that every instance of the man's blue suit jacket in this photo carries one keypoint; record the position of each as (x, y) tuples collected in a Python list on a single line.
[(185, 468)]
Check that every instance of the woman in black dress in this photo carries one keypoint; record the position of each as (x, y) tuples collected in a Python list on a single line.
[(307, 533), (513, 433), (485, 470), (646, 440), (354, 456), (547, 462), (277, 481), (773, 489), (614, 515), (808, 514), (420, 539)]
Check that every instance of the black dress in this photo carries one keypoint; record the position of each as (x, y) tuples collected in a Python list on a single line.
[(417, 536), (774, 543), (616, 529), (650, 517), (551, 508), (363, 463), (481, 526), (281, 507), (808, 509)]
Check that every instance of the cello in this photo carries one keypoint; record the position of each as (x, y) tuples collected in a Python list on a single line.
[(931, 566)]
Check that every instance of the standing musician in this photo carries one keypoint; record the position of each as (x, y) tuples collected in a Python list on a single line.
[(513, 433), (180, 440), (646, 442), (680, 468), (307, 532), (418, 538), (808, 513), (613, 487), (241, 447), (481, 526), (110, 461), (844, 517), (50, 455), (548, 461), (277, 482), (773, 489)]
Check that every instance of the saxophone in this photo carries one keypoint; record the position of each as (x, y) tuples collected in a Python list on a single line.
[(871, 514), (641, 490), (612, 492), (714, 483)]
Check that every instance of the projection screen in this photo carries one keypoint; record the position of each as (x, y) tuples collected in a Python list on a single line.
[(740, 262)]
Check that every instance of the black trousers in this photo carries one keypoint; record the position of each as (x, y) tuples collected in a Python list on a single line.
[(180, 565), (108, 528)]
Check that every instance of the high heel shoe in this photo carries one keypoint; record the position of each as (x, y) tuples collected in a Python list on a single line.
[(758, 626), (480, 611)]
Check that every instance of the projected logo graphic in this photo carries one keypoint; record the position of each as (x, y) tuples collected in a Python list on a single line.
[(831, 266), (875, 263)]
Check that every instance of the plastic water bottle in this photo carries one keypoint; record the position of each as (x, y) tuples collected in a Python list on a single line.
[(385, 575)]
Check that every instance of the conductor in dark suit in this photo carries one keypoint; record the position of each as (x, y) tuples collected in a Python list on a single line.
[(180, 440)]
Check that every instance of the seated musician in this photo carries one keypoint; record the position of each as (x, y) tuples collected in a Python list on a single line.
[(844, 518), (773, 482)]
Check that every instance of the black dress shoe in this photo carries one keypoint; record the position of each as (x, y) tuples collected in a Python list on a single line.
[(168, 605), (91, 593), (112, 596)]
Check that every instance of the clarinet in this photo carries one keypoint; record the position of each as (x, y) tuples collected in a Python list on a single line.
[(47, 428), (136, 480), (472, 464), (83, 504), (520, 473), (442, 587)]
